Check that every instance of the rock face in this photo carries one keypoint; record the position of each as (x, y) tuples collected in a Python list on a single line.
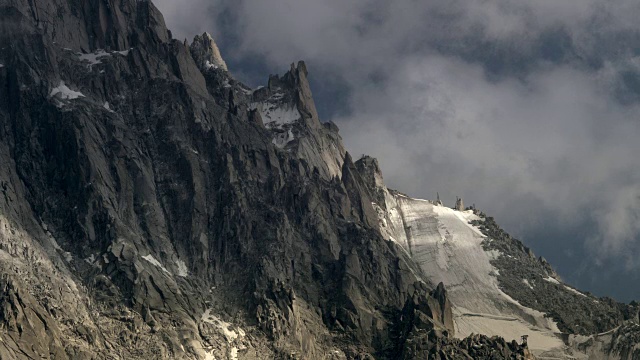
[(459, 204), (153, 207), (206, 54), (287, 110)]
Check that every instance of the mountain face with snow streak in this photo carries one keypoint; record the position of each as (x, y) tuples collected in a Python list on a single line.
[(496, 285), (154, 207)]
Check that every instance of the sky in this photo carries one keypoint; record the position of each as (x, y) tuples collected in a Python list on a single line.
[(527, 109)]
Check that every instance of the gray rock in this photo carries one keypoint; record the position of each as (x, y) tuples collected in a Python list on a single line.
[(206, 54), (459, 204)]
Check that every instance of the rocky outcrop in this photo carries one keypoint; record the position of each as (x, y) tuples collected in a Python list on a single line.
[(622, 342), (438, 201), (24, 324), (206, 54), (459, 204), (369, 169), (287, 109), (574, 312), (431, 345)]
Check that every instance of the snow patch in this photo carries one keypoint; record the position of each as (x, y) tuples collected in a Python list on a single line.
[(526, 282), (223, 326), (92, 260), (574, 291), (155, 262), (63, 92), (208, 65), (276, 115), (282, 139), (551, 280), (93, 58), (96, 57), (493, 254), (449, 249), (249, 92), (107, 107), (182, 268)]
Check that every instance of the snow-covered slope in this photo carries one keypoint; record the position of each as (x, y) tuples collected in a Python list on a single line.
[(496, 285), (449, 250)]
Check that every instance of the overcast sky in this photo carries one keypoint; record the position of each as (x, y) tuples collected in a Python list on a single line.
[(529, 109)]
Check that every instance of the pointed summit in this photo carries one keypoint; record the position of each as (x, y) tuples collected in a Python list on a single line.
[(370, 171), (438, 201), (206, 53)]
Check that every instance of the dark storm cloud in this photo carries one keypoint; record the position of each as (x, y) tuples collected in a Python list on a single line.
[(529, 109)]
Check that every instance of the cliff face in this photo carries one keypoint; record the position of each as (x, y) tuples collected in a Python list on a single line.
[(151, 207)]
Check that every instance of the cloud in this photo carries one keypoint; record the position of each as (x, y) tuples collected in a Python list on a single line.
[(528, 109)]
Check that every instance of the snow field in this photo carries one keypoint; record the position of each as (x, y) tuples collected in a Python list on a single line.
[(449, 250)]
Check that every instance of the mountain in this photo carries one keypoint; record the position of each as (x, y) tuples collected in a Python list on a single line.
[(496, 285), (155, 207)]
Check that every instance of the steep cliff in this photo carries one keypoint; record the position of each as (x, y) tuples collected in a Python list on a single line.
[(154, 207)]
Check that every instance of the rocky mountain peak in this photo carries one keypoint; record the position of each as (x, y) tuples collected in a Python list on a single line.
[(206, 53), (438, 201), (370, 171), (287, 109), (294, 87)]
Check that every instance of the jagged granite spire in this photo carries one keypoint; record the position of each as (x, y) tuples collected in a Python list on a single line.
[(206, 53), (370, 170), (287, 109)]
